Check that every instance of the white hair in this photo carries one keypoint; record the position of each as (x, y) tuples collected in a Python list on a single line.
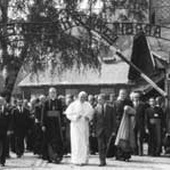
[(2, 100), (42, 97)]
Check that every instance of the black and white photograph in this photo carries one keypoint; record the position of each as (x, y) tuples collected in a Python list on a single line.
[(84, 84)]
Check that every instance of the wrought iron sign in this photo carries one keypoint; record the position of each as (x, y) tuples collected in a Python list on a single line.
[(110, 30)]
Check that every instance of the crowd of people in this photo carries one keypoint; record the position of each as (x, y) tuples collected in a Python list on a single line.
[(53, 126)]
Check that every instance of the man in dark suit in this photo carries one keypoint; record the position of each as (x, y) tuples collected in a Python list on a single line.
[(154, 117), (5, 130), (92, 137), (38, 134), (52, 121), (104, 119), (20, 125), (139, 127)]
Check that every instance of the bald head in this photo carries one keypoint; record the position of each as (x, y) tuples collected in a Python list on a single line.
[(122, 94), (52, 93), (101, 99), (135, 96), (152, 102)]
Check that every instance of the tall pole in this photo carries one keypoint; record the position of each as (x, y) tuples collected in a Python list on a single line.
[(167, 100), (119, 54), (106, 39), (143, 75)]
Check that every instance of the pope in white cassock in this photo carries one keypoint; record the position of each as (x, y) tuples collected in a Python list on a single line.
[(80, 112)]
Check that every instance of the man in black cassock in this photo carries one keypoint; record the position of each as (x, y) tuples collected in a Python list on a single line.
[(52, 128)]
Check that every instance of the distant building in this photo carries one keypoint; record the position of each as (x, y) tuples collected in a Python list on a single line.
[(160, 11), (113, 76)]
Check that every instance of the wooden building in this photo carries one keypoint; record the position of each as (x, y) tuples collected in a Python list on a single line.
[(114, 75)]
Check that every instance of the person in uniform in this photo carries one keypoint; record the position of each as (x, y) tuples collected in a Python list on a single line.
[(20, 123), (154, 116), (52, 121), (105, 123), (160, 104), (5, 130)]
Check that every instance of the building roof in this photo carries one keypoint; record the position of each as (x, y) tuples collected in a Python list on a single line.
[(109, 74), (115, 72)]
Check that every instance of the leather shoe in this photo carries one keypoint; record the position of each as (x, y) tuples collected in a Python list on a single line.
[(102, 164), (2, 165)]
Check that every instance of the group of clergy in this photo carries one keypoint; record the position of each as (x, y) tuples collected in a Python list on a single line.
[(119, 126), (54, 126)]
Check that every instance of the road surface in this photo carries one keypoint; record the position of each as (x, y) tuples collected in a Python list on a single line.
[(32, 162)]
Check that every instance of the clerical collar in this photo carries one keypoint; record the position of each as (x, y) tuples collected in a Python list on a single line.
[(53, 99), (2, 108), (20, 108)]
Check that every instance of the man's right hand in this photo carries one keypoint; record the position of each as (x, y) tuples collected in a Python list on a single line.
[(79, 116), (43, 128), (147, 131)]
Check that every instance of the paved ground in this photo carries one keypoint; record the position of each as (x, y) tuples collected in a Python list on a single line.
[(31, 162)]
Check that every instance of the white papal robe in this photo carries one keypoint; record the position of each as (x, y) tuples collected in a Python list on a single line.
[(79, 130)]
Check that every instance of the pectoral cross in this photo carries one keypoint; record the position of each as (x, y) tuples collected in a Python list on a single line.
[(103, 111)]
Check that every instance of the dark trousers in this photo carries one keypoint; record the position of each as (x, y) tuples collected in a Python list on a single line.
[(19, 144), (38, 140), (93, 144), (7, 146), (3, 148), (44, 147), (12, 143), (139, 141), (102, 147), (154, 140)]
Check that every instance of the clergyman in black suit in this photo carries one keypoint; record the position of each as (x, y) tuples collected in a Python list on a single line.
[(105, 126)]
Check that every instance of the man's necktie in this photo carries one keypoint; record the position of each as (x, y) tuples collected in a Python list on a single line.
[(20, 109), (103, 110)]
